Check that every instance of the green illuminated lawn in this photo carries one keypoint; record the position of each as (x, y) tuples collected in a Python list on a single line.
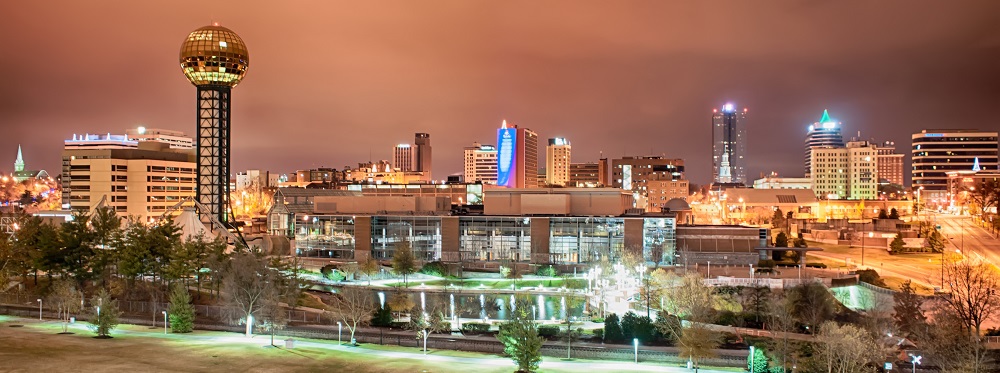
[(37, 347)]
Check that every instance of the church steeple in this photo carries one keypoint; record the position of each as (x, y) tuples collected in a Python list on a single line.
[(19, 162)]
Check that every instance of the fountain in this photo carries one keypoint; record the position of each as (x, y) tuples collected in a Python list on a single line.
[(562, 308), (482, 306), (452, 306), (541, 307)]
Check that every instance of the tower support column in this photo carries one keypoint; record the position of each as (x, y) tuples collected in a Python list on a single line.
[(213, 152)]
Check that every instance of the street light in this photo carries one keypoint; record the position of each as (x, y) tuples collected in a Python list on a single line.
[(39, 309), (870, 235), (164, 322), (339, 328)]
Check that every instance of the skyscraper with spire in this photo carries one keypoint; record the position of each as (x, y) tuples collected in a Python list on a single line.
[(729, 145), (823, 134)]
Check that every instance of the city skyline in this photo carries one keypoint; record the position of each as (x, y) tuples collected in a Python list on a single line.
[(457, 77)]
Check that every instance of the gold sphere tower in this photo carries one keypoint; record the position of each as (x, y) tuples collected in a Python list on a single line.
[(215, 60)]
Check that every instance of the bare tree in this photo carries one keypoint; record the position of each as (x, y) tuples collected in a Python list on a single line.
[(697, 342), (354, 307), (247, 285), (66, 299), (687, 297), (974, 296), (846, 349), (946, 341), (780, 320)]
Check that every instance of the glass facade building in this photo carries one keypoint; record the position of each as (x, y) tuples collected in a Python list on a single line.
[(494, 238), (541, 240), (584, 240)]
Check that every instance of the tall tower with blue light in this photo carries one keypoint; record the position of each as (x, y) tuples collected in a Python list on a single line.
[(729, 145), (215, 60)]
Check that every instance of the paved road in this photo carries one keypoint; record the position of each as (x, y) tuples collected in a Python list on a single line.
[(232, 338), (966, 236)]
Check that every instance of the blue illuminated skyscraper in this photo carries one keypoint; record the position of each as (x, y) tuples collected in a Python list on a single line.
[(517, 157)]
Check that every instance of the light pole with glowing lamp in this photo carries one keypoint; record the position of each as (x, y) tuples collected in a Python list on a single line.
[(164, 322)]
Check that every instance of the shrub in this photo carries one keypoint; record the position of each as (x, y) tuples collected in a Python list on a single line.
[(382, 317), (612, 329), (399, 325), (547, 271), (599, 333), (435, 269), (548, 331), (726, 317), (816, 265), (475, 328), (330, 272), (597, 320), (870, 276), (765, 263)]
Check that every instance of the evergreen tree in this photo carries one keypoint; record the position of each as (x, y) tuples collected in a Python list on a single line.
[(757, 362), (613, 329), (897, 243), (778, 219), (882, 214), (382, 317), (781, 240), (893, 214), (935, 241), (520, 338), (105, 313), (908, 314), (181, 311)]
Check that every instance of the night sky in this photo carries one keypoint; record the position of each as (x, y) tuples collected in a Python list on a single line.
[(336, 83)]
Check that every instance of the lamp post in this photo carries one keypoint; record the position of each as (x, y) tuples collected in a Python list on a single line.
[(752, 348), (709, 274), (870, 235), (339, 328), (39, 309), (164, 322)]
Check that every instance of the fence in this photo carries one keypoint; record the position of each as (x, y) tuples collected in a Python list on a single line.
[(408, 339), (774, 283)]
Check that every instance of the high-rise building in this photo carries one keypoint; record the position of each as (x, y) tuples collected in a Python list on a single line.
[(422, 154), (176, 139), (729, 145), (517, 157), (890, 164), (634, 174), (935, 152), (402, 157), (480, 164), (557, 161), (144, 180), (590, 174), (845, 172), (825, 133), (215, 60)]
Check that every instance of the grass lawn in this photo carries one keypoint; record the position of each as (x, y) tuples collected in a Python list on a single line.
[(37, 347)]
